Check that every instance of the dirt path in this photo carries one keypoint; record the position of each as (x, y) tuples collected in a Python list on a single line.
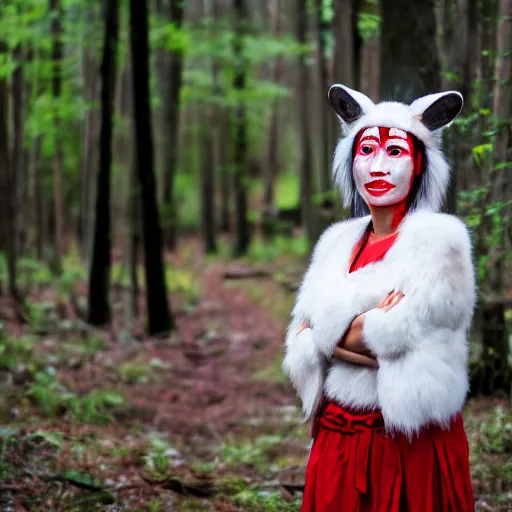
[(211, 388)]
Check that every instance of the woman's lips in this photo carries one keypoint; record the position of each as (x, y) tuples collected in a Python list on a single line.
[(378, 187)]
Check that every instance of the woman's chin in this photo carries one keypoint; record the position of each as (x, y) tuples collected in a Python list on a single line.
[(383, 201)]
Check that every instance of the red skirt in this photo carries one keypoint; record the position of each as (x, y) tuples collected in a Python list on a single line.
[(355, 467)]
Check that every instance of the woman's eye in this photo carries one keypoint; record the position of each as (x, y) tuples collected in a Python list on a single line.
[(366, 150), (395, 152)]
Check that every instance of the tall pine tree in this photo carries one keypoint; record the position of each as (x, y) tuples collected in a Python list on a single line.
[(160, 320)]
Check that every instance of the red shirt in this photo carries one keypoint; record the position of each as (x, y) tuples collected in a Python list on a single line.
[(369, 251)]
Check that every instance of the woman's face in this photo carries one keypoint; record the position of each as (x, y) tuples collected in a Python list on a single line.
[(384, 165)]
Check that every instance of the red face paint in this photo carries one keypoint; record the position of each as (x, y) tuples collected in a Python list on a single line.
[(385, 164)]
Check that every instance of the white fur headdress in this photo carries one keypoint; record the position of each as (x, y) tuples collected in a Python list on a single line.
[(424, 118)]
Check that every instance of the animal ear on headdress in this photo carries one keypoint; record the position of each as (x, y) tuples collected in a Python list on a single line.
[(436, 111), (348, 104)]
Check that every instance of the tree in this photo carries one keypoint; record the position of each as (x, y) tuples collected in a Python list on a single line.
[(90, 153), (56, 29), (99, 277), (493, 372), (273, 161), (323, 79), (208, 112), (240, 153), (224, 127), (18, 164), (409, 67), (459, 46), (344, 30), (305, 142), (173, 79), (7, 222), (160, 320)]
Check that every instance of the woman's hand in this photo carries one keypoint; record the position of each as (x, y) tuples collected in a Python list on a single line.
[(351, 347), (356, 358), (353, 338)]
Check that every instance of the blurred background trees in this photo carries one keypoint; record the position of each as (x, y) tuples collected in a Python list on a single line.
[(129, 127)]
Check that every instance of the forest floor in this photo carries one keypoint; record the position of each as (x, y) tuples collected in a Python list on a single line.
[(203, 420)]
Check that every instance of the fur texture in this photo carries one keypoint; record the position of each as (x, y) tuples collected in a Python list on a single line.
[(404, 117), (421, 344)]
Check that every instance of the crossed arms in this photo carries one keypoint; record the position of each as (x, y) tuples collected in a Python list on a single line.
[(351, 348)]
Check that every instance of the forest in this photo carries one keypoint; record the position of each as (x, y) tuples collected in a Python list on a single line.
[(165, 171)]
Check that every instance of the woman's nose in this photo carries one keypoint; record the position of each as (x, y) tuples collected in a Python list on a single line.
[(378, 165), (378, 174)]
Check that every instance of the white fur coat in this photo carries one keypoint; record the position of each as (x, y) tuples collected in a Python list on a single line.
[(421, 343)]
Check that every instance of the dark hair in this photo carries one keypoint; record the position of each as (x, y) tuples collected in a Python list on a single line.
[(419, 188)]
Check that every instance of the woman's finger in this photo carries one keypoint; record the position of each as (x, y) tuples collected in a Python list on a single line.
[(303, 325), (395, 301), (386, 299)]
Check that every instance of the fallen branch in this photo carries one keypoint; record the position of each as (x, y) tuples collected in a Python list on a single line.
[(246, 273), (197, 489)]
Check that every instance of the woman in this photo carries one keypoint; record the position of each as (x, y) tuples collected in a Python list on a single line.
[(377, 346)]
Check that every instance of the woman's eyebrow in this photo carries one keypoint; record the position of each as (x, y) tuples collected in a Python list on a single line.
[(398, 142), (396, 133), (369, 137)]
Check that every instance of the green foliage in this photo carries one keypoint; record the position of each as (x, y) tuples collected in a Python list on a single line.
[(481, 152), (14, 352), (188, 202), (249, 453), (135, 372), (42, 316), (33, 273), (157, 459), (261, 250), (257, 500), (55, 439), (368, 24), (182, 281), (55, 399), (287, 190), (496, 432)]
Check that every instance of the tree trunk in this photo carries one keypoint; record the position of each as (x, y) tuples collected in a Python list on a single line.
[(344, 43), (222, 139), (209, 113), (18, 154), (223, 142), (6, 195), (99, 277), (172, 115), (160, 320), (493, 372), (369, 79), (273, 161), (345, 55), (89, 152), (459, 46), (207, 182), (325, 114), (56, 30), (409, 68), (489, 11), (240, 153), (135, 236), (33, 216), (305, 143)]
